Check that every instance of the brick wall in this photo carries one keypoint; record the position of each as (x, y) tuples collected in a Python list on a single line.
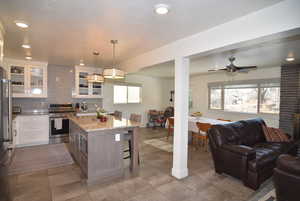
[(289, 96)]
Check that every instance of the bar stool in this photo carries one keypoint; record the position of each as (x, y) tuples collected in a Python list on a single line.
[(128, 136), (118, 114)]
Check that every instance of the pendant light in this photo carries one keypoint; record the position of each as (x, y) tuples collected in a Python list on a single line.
[(95, 78), (113, 72)]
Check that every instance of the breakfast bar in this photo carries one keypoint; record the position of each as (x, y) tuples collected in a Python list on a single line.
[(97, 146)]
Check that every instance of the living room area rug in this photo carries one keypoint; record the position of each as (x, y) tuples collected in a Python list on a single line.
[(161, 143), (41, 157)]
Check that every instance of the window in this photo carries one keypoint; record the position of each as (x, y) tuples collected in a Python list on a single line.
[(127, 94), (134, 94), (216, 98), (241, 98), (269, 98), (252, 96), (120, 94)]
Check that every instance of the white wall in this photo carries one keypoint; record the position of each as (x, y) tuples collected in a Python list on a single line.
[(155, 95), (198, 85)]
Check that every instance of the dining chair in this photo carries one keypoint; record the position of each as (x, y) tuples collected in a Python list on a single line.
[(135, 117), (224, 120), (202, 134), (170, 127), (118, 114)]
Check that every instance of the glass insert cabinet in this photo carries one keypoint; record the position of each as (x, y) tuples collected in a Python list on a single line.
[(28, 79), (85, 89)]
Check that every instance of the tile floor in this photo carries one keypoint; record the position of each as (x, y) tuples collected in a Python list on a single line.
[(153, 183)]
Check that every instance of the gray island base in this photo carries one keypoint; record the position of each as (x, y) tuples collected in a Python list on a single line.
[(97, 147)]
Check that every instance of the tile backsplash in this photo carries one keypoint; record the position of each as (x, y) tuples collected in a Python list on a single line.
[(61, 82), (29, 104)]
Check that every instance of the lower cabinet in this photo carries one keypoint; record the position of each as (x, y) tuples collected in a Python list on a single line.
[(79, 147), (32, 130)]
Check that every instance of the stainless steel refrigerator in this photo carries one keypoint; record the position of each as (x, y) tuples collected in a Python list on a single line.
[(6, 137)]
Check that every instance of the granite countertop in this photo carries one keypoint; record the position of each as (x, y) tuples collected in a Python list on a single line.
[(91, 123)]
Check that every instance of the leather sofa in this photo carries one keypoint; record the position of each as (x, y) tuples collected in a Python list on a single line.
[(240, 150), (287, 178)]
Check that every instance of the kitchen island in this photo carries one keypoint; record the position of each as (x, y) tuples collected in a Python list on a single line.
[(97, 147)]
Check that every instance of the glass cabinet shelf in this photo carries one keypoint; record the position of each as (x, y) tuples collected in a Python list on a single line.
[(84, 88), (29, 79)]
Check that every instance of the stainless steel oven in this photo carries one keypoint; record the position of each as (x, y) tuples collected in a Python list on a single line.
[(63, 129), (59, 122)]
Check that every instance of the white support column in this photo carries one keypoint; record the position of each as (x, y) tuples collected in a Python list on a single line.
[(180, 146)]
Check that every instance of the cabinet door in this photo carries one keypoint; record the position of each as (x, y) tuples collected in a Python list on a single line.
[(33, 129), (18, 78), (83, 144), (85, 89), (83, 84), (96, 89), (37, 81)]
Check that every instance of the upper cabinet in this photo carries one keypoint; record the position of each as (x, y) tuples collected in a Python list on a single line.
[(28, 79), (85, 89)]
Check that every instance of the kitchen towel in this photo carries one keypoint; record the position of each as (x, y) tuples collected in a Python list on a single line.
[(58, 123)]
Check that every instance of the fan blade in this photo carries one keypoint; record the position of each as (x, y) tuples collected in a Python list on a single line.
[(246, 67), (244, 71), (214, 70)]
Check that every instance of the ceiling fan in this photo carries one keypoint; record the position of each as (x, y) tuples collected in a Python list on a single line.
[(231, 68)]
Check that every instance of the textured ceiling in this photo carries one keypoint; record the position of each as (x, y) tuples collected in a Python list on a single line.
[(65, 31), (270, 54)]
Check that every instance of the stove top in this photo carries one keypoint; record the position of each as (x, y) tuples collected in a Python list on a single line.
[(61, 108)]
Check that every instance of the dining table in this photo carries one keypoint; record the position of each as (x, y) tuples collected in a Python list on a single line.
[(192, 120)]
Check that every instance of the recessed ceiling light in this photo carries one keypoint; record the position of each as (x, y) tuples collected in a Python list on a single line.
[(26, 46), (28, 58), (21, 24), (290, 59), (161, 9)]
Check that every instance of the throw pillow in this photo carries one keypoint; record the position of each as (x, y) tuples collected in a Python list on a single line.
[(275, 135)]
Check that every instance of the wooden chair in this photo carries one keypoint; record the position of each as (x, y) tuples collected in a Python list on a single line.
[(202, 134), (135, 117), (224, 120), (118, 114), (170, 127)]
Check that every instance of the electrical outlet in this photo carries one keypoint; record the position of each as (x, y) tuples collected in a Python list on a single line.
[(117, 137)]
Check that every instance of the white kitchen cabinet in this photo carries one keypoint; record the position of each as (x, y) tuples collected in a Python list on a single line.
[(85, 89), (32, 130), (29, 79)]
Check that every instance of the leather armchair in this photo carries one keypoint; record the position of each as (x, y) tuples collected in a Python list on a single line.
[(287, 178), (240, 150)]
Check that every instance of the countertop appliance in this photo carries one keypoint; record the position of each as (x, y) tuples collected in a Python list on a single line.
[(59, 122), (84, 107), (6, 138)]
